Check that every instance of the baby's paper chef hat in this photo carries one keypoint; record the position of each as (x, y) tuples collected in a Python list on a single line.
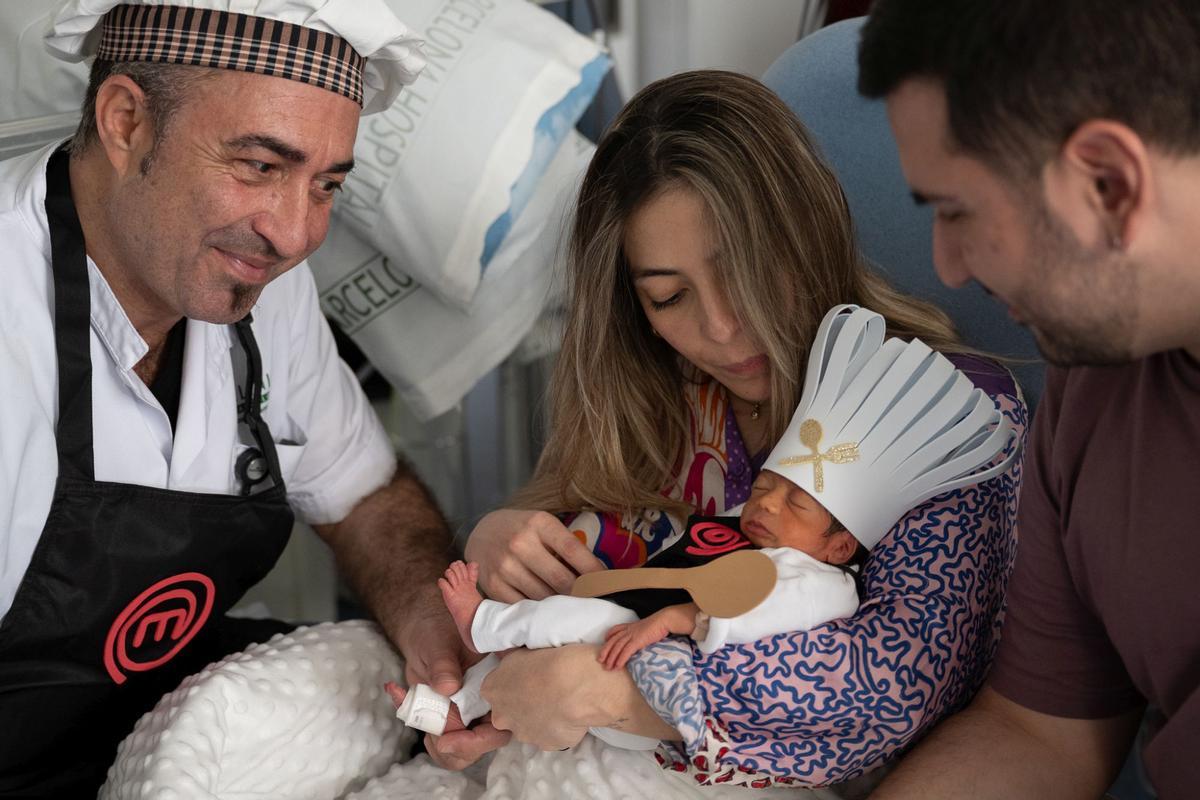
[(356, 48), (885, 425)]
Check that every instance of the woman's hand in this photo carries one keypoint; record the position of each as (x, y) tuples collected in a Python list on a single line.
[(527, 554), (549, 698)]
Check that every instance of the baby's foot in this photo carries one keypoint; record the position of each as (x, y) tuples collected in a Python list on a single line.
[(461, 597), (453, 718)]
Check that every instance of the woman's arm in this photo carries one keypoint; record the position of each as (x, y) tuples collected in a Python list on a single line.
[(521, 556), (825, 705), (574, 692)]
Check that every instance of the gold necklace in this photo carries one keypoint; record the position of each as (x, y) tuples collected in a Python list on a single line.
[(754, 411)]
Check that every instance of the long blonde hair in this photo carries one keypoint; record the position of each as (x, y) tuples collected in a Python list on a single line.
[(618, 415)]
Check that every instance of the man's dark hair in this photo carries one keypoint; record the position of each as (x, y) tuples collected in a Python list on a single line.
[(164, 85), (1021, 75)]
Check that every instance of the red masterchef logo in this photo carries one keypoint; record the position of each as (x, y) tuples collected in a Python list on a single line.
[(713, 539), (174, 610)]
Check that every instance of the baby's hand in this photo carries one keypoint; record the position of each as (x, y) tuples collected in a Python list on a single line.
[(622, 641)]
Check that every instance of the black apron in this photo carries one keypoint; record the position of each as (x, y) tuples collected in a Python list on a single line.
[(128, 587)]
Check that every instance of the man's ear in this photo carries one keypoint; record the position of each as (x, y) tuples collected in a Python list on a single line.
[(124, 124), (1105, 166), (842, 547)]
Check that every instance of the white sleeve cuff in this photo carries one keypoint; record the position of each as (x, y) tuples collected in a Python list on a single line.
[(334, 496), (716, 636)]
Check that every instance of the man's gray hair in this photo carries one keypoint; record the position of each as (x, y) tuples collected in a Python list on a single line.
[(165, 86)]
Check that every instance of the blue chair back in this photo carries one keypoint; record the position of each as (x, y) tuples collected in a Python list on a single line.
[(817, 77)]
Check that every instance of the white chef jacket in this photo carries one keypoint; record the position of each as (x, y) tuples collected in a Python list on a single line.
[(332, 449)]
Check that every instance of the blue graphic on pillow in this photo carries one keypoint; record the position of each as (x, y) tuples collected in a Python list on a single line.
[(548, 135)]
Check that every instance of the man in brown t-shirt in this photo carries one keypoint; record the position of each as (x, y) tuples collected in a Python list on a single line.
[(1105, 613), (1059, 145)]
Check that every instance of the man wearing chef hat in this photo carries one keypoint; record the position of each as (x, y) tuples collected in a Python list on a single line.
[(172, 394)]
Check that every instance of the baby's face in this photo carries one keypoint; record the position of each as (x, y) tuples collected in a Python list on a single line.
[(781, 514)]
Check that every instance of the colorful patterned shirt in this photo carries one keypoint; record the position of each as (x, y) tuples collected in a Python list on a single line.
[(826, 705)]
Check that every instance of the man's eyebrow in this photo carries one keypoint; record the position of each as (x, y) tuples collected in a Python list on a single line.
[(284, 151), (925, 198), (281, 149)]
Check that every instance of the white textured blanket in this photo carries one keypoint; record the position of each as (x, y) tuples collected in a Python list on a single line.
[(305, 716)]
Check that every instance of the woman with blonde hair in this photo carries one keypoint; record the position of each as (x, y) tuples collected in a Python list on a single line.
[(708, 242)]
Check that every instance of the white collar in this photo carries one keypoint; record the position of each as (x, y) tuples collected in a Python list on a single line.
[(125, 345), (110, 322)]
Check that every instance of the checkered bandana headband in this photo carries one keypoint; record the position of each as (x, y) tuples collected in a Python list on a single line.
[(225, 40)]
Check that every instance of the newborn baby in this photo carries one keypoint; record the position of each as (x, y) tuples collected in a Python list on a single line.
[(807, 545), (803, 539)]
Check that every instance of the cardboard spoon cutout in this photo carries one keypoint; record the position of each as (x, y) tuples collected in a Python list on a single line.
[(727, 587)]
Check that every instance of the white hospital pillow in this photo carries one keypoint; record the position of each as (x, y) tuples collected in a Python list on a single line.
[(430, 351), (39, 95), (442, 175)]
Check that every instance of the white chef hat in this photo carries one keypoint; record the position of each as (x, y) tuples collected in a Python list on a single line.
[(885, 425), (356, 48)]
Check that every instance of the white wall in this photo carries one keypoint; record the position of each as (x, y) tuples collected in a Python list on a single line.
[(656, 38)]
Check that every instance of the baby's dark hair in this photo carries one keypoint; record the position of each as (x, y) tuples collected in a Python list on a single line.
[(860, 553), (854, 565)]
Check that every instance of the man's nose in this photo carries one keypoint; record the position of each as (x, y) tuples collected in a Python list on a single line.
[(947, 259), (288, 224)]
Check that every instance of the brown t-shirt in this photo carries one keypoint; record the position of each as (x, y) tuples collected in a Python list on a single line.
[(1104, 604)]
